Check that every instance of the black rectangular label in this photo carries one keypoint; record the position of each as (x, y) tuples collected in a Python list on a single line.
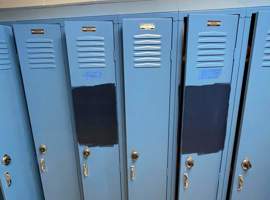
[(205, 118), (96, 115)]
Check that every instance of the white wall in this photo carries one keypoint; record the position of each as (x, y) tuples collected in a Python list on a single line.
[(102, 7), (45, 3)]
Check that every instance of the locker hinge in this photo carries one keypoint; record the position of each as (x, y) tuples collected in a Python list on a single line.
[(171, 56), (234, 51), (233, 58), (114, 58)]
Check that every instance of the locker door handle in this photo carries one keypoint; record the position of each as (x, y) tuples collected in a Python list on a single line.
[(240, 183), (132, 172), (8, 178), (85, 170), (186, 181), (42, 164)]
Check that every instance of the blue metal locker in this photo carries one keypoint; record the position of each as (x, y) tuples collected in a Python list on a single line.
[(251, 178), (90, 47), (147, 44), (18, 170), (43, 69), (209, 63)]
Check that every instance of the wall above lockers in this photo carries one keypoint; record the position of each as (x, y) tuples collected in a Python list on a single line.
[(43, 9), (46, 3)]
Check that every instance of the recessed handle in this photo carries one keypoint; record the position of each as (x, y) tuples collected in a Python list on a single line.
[(186, 181), (85, 169), (42, 164), (132, 172), (8, 178), (240, 183)]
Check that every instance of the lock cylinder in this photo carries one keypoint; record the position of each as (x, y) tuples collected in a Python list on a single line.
[(43, 149), (189, 162), (6, 160), (246, 165), (134, 156), (86, 152)]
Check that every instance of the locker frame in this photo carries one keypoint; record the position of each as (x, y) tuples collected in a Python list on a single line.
[(119, 86), (118, 83), (248, 17), (178, 16), (176, 60), (116, 19), (65, 62), (242, 60), (236, 84), (23, 119)]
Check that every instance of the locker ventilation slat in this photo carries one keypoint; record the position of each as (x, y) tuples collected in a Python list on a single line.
[(4, 55), (211, 49), (147, 50), (91, 51), (266, 53), (40, 53)]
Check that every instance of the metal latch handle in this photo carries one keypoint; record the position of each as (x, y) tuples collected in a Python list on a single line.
[(186, 181)]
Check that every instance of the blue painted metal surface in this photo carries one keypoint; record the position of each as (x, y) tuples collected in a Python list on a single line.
[(210, 51), (15, 133), (254, 131), (92, 64), (147, 65), (236, 87), (177, 30), (43, 69), (209, 74)]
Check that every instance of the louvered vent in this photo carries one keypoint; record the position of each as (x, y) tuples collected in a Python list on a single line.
[(266, 52), (40, 53), (147, 50), (211, 49), (91, 52), (4, 55)]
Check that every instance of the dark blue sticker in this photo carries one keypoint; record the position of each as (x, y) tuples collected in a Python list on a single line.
[(95, 115), (205, 118)]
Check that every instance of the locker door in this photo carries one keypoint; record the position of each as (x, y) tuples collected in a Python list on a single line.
[(44, 76), (18, 170), (90, 47), (210, 51), (251, 176), (147, 66)]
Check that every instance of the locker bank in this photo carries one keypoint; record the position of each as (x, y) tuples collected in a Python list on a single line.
[(134, 100)]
